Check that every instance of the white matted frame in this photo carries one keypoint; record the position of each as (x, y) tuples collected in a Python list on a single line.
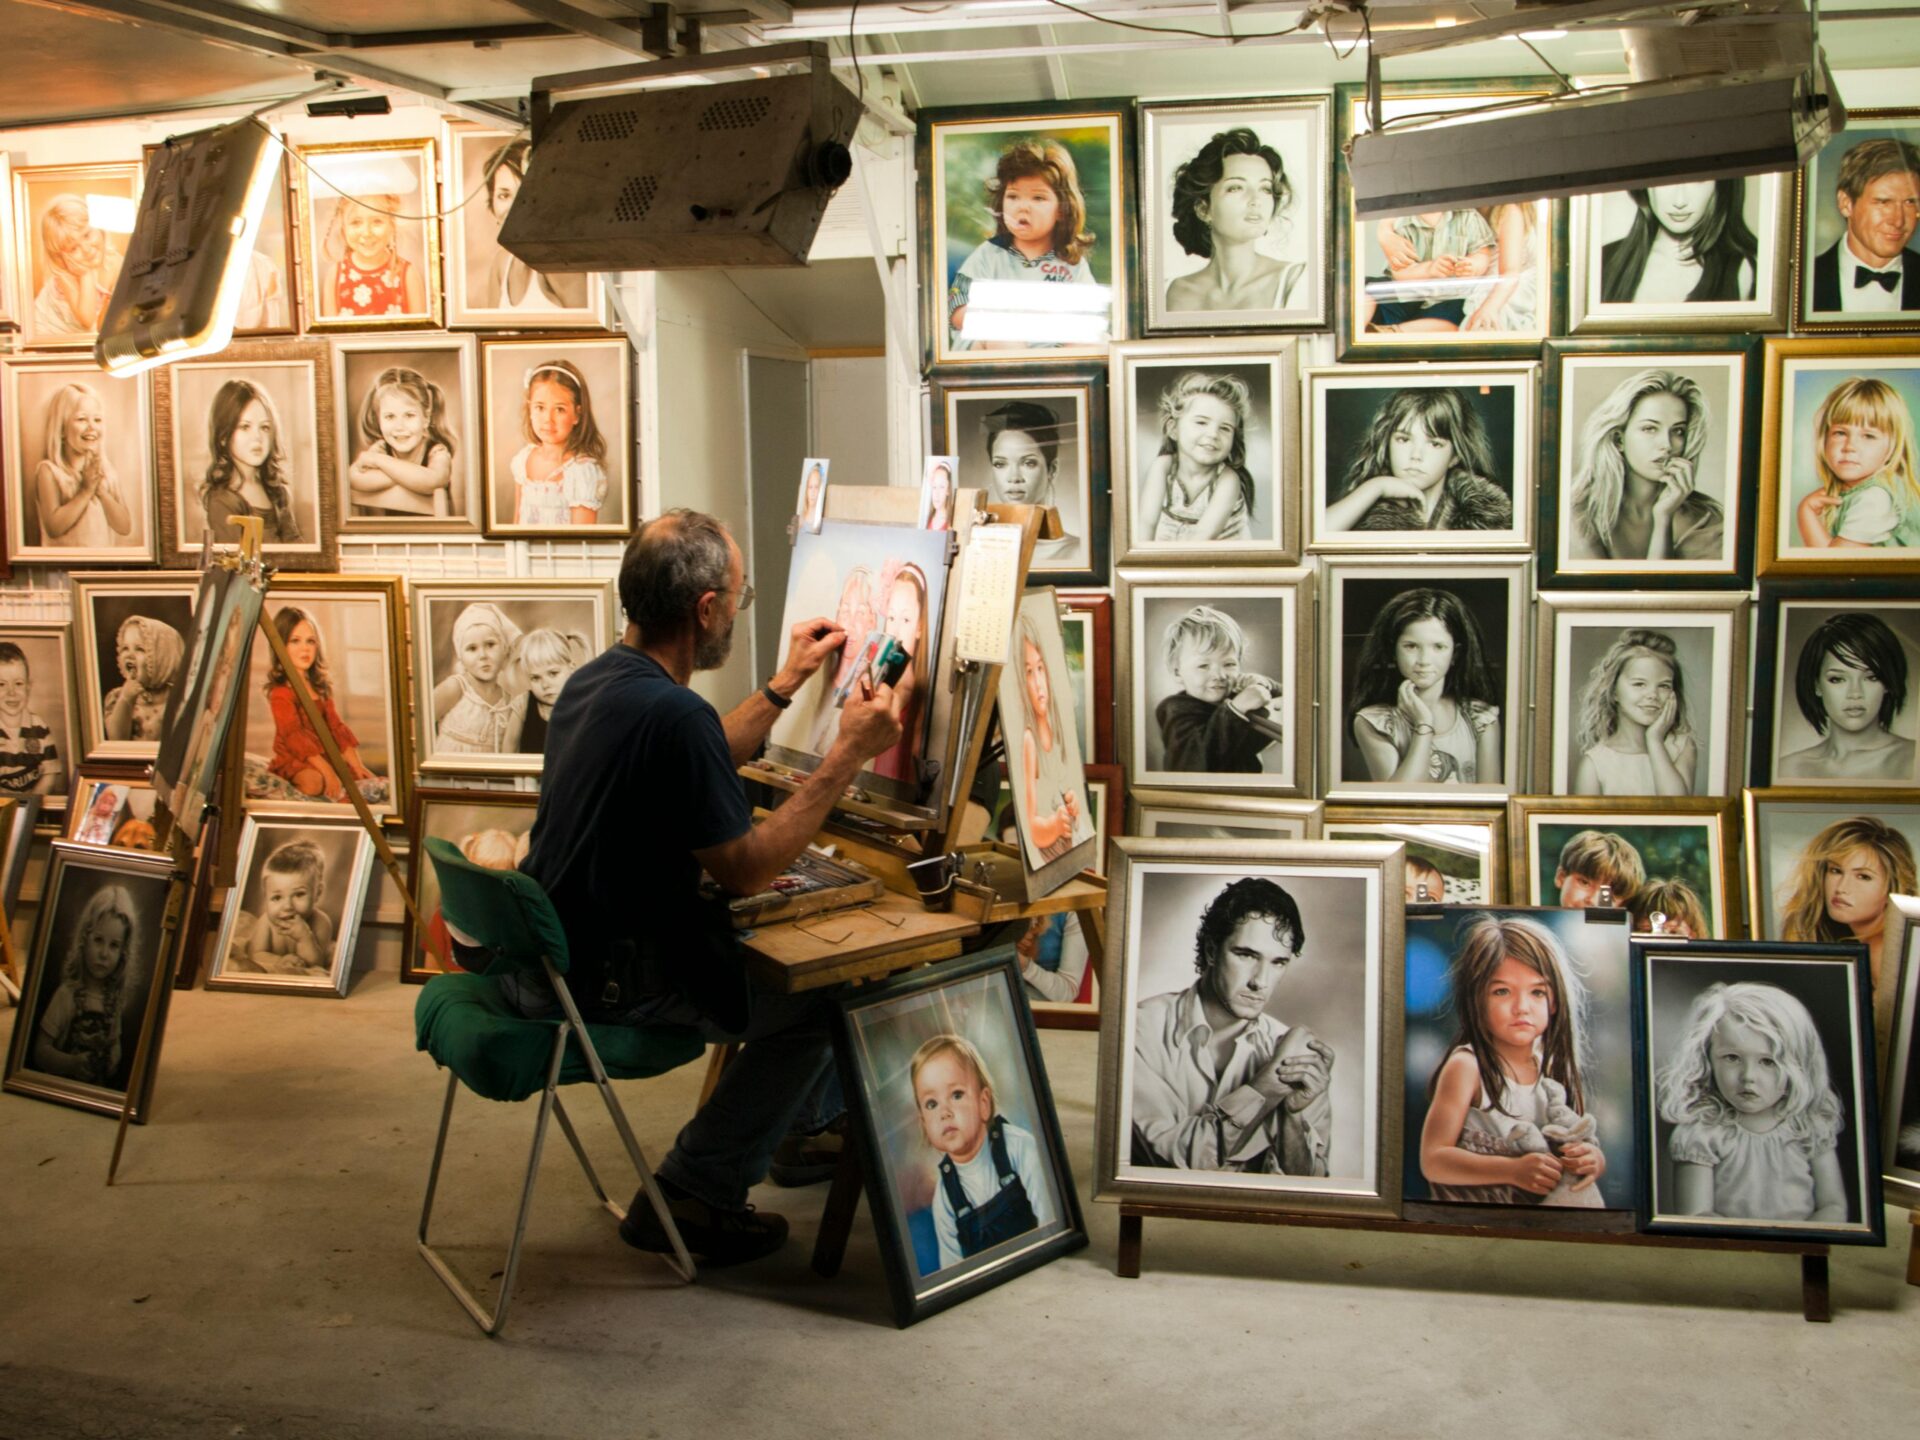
[(508, 371), (1691, 841), (103, 604), (1466, 845), (477, 267), (1456, 419), (43, 765), (87, 195), (271, 899), (1819, 297), (446, 365), (1176, 814), (1343, 986), (1701, 637), (1275, 621), (1790, 832), (327, 180), (37, 395), (1147, 378)]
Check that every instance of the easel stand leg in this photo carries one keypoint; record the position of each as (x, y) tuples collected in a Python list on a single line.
[(843, 1202), (177, 891)]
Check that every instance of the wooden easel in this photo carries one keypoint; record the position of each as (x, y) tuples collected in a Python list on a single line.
[(179, 846)]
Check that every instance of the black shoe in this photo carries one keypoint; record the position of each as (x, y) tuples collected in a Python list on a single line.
[(719, 1237), (808, 1159)]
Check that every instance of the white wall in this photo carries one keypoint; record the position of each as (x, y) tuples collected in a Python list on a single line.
[(850, 418)]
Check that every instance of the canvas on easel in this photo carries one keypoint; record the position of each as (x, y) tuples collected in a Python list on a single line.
[(1044, 764)]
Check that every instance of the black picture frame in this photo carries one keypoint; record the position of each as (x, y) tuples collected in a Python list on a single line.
[(1547, 518), (915, 1295), (1859, 1126)]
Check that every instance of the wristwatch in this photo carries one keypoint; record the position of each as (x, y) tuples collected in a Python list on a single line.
[(774, 697)]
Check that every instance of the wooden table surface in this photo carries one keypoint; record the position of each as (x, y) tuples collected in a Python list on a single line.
[(864, 942)]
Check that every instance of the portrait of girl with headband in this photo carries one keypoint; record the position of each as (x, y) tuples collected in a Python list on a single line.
[(475, 709)]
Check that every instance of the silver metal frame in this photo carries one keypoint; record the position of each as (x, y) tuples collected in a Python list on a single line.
[(1899, 960), (680, 1261)]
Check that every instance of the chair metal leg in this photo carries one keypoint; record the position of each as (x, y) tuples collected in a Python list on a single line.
[(580, 1153)]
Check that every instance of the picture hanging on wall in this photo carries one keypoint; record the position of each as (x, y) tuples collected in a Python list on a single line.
[(1422, 660), (250, 432), (347, 635), (1298, 948), (1836, 697), (71, 225), (1496, 994), (1457, 853), (1086, 629), (487, 288), (130, 634), (97, 952), (1645, 449), (1822, 864), (489, 827), (1218, 664), (1859, 267), (1756, 1092), (1420, 458), (1178, 814), (1897, 1038), (1486, 281), (1640, 695), (9, 292), (1028, 435), (409, 438), (1205, 454), (490, 659), (293, 914), (79, 465), (1696, 255), (1025, 214), (967, 1175), (268, 305), (1840, 456), (37, 727), (368, 247), (1234, 203), (559, 441), (1671, 857)]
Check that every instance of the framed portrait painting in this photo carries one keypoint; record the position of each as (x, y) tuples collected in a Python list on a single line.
[(1645, 694), (559, 437), (1860, 268), (1426, 458), (9, 292), (490, 659), (408, 438), (1645, 452), (1821, 865), (966, 1173), (489, 827), (98, 950), (1484, 281), (1897, 1042), (1086, 630), (38, 732), (1024, 215), (350, 634), (251, 433), (71, 225), (1218, 662), (1422, 660), (1029, 435), (1456, 854), (369, 248), (293, 914), (130, 633), (1839, 458), (1179, 814), (1670, 857), (1045, 764), (1205, 453), (79, 465), (1234, 213), (1298, 948), (1696, 255), (113, 812), (1494, 993), (1738, 1042), (1832, 702), (487, 288)]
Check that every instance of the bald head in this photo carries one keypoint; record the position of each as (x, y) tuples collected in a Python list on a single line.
[(671, 561)]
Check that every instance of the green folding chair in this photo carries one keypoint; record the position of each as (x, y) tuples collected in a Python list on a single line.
[(467, 1025)]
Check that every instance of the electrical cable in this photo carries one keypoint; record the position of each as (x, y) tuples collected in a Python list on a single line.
[(301, 160), (1301, 24), (1566, 84), (859, 75)]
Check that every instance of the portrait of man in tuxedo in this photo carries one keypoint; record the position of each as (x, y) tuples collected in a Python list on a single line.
[(1870, 270)]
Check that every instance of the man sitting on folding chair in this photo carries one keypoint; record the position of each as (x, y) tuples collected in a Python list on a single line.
[(640, 793)]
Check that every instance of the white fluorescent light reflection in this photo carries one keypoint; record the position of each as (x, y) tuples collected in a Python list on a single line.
[(1038, 313), (113, 213)]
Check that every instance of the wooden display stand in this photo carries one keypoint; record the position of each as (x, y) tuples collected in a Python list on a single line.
[(1490, 1223)]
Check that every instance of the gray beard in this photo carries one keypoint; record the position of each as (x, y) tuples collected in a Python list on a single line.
[(710, 652)]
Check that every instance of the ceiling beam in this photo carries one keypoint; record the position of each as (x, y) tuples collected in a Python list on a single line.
[(1056, 67), (584, 22)]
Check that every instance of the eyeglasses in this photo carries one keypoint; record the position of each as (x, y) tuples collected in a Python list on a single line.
[(744, 599)]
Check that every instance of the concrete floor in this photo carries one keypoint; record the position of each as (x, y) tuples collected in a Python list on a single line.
[(254, 1274)]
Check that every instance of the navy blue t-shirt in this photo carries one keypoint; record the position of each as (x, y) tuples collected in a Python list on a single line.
[(638, 776)]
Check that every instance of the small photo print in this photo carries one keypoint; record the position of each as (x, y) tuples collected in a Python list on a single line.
[(811, 504), (1842, 713), (292, 918), (1759, 1110), (936, 492), (559, 437), (79, 465), (409, 434), (114, 813)]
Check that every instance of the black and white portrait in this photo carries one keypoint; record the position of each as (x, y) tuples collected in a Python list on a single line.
[(37, 731), (1687, 256), (1843, 703), (1423, 677), (409, 439), (1420, 459), (1215, 694), (1646, 699), (1235, 200), (292, 918), (486, 286), (1759, 1112), (1284, 964), (79, 465), (1649, 478), (1030, 445), (1860, 206), (130, 647), (490, 660)]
